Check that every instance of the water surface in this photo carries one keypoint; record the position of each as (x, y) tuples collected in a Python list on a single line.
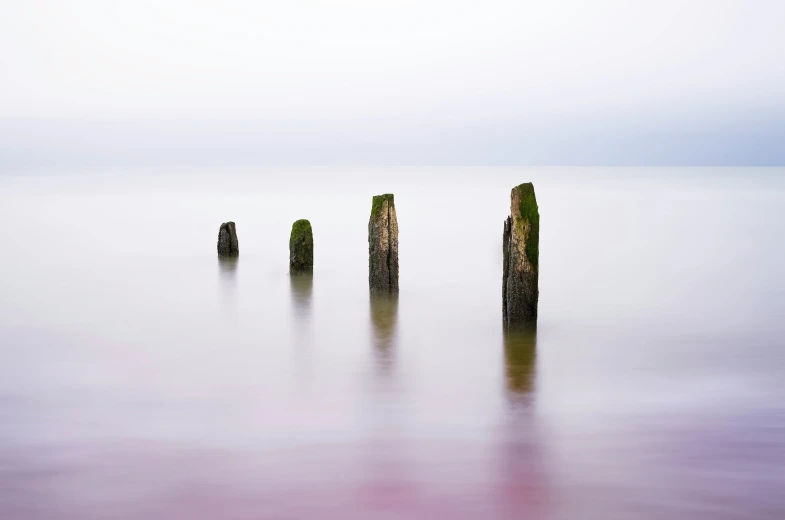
[(142, 377)]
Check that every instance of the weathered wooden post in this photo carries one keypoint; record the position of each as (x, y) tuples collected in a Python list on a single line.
[(301, 247), (520, 290), (383, 246), (227, 240)]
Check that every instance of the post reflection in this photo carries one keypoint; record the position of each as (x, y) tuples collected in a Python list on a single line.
[(227, 272), (522, 471), (520, 356), (301, 285), (228, 267), (384, 319)]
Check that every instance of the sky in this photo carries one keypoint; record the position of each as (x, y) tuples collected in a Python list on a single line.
[(495, 82)]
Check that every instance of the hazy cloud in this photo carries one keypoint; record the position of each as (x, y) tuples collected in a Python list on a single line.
[(309, 82)]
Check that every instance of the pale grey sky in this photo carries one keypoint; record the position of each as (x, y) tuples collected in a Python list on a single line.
[(409, 82)]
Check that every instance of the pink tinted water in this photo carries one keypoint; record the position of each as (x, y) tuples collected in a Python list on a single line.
[(142, 378)]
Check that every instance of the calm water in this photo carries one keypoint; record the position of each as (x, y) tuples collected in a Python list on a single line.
[(140, 377)]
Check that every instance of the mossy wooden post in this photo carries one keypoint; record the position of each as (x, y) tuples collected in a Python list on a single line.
[(520, 290), (383, 246), (301, 247), (227, 240)]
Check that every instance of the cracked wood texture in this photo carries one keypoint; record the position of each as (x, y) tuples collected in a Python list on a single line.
[(383, 246), (520, 290), (227, 240)]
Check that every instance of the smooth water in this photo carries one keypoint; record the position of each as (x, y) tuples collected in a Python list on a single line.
[(141, 377)]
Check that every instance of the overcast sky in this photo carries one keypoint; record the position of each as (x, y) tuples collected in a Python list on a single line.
[(393, 82)]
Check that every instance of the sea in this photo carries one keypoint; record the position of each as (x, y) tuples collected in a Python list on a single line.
[(142, 377)]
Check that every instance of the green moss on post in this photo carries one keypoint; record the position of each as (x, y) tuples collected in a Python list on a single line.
[(301, 247), (378, 201), (529, 212), (520, 281)]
